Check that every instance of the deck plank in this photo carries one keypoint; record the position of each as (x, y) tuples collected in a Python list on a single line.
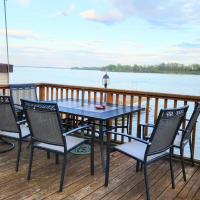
[(160, 177), (197, 195), (170, 193), (124, 183), (98, 181), (135, 183), (191, 188), (164, 180), (77, 183)]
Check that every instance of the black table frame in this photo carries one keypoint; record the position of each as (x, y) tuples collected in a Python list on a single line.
[(111, 111)]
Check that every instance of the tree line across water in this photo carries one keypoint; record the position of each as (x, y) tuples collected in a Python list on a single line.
[(173, 68)]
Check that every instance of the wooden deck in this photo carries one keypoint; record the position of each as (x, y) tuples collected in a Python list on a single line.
[(124, 183)]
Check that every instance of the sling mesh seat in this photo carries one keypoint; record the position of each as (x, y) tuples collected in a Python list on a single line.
[(47, 133), (159, 145), (183, 137), (22, 91), (10, 127)]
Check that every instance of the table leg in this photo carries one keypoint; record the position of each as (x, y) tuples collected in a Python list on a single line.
[(10, 145), (107, 159), (101, 134)]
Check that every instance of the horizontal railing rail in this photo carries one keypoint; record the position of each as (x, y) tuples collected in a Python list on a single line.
[(152, 101)]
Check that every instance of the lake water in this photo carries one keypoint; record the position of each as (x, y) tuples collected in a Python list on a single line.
[(166, 83), (169, 83)]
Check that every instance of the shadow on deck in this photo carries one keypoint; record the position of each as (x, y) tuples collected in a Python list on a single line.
[(124, 183)]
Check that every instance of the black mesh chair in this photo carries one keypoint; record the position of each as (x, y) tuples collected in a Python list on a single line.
[(47, 133), (22, 91), (159, 145), (183, 137), (10, 127)]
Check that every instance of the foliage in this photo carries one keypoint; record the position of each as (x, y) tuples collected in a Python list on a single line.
[(174, 68)]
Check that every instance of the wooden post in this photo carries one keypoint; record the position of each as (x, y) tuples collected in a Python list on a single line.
[(109, 98), (42, 93), (147, 115)]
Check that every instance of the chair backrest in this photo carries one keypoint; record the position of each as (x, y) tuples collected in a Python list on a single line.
[(22, 91), (166, 128), (192, 122), (44, 122), (7, 115)]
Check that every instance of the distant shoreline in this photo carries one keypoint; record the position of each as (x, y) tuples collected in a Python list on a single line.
[(136, 72), (171, 68), (163, 68)]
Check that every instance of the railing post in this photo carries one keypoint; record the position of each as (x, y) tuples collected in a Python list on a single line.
[(109, 98), (139, 117), (41, 93)]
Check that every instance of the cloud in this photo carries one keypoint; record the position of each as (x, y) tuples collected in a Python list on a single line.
[(108, 18), (41, 54), (190, 45), (66, 12), (24, 3), (26, 34), (170, 13), (183, 55)]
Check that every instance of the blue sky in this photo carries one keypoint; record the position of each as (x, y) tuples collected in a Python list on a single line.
[(68, 33)]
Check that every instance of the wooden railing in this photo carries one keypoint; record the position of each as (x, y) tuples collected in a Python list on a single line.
[(4, 90), (152, 102)]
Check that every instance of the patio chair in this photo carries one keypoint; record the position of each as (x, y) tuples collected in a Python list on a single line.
[(10, 127), (47, 133), (183, 137), (159, 145), (22, 91)]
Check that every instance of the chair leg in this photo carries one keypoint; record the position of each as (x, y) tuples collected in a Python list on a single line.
[(92, 153), (141, 167), (137, 166), (57, 158), (92, 161), (171, 169), (30, 162), (48, 155), (18, 155), (146, 181), (191, 152), (182, 163), (63, 173), (107, 160)]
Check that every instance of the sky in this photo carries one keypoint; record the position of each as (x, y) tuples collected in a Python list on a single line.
[(87, 33)]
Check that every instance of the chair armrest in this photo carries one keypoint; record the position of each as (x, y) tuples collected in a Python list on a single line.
[(181, 129), (187, 120), (77, 129), (147, 125), (21, 122), (18, 106), (113, 127), (128, 136)]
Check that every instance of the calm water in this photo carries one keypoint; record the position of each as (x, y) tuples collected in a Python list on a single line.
[(180, 84), (167, 83)]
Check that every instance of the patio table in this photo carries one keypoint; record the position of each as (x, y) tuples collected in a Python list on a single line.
[(88, 110)]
